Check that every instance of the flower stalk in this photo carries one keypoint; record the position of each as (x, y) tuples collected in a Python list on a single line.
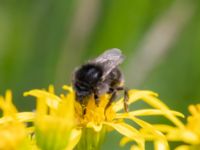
[(91, 139)]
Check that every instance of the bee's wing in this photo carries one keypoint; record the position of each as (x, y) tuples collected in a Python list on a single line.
[(109, 60)]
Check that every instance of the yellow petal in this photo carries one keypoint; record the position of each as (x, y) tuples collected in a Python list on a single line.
[(161, 145), (12, 135), (147, 128), (68, 88), (124, 141), (21, 117), (26, 116), (74, 139), (151, 99), (6, 104), (135, 147), (51, 89), (183, 147), (134, 95), (96, 127), (127, 131), (164, 128), (156, 103), (193, 109), (51, 99), (152, 112), (183, 135)]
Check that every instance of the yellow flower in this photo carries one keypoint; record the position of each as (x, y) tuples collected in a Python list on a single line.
[(13, 134), (193, 122), (95, 118), (189, 134), (147, 131), (54, 119), (61, 124), (60, 119)]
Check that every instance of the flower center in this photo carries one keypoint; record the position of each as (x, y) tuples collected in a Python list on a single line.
[(94, 113)]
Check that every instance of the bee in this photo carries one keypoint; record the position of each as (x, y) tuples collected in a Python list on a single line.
[(100, 76)]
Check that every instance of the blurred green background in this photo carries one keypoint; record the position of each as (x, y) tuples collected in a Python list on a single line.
[(42, 41)]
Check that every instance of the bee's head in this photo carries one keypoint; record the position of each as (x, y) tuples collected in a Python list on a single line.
[(86, 78)]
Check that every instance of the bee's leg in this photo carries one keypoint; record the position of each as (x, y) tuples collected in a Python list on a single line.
[(112, 98), (96, 98), (83, 105), (120, 88), (84, 109), (126, 98)]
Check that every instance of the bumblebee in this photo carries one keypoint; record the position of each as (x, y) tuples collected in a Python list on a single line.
[(100, 76)]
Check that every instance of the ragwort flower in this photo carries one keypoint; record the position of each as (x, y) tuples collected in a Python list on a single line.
[(61, 119), (54, 119), (13, 132), (189, 134)]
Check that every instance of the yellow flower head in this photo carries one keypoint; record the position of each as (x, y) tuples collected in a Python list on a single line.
[(54, 119), (95, 115), (191, 134), (193, 121), (188, 134), (60, 119), (101, 120), (12, 132)]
